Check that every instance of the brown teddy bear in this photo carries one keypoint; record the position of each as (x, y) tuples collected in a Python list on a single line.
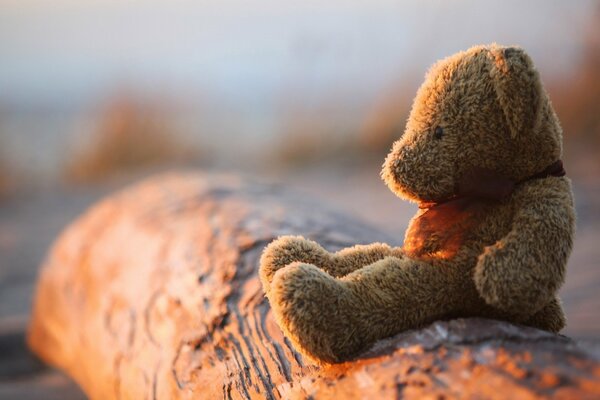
[(481, 156)]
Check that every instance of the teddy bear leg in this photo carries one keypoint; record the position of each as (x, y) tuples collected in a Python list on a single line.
[(315, 311), (288, 249), (550, 318), (331, 319), (397, 294)]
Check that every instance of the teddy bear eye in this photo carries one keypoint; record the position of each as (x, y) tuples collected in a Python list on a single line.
[(438, 132)]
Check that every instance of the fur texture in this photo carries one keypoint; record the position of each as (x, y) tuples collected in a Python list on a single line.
[(492, 113)]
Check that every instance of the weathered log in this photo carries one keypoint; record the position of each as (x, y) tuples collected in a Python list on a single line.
[(154, 293)]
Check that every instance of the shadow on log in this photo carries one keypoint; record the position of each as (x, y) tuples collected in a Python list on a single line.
[(154, 293)]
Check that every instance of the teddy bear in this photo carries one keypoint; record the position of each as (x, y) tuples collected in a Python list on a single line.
[(480, 155)]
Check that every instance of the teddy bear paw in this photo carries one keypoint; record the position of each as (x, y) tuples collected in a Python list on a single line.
[(284, 251), (316, 311)]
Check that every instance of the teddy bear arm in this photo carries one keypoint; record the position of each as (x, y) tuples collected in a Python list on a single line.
[(521, 273), (286, 250), (353, 258)]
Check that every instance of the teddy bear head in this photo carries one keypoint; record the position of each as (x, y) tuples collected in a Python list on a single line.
[(482, 108)]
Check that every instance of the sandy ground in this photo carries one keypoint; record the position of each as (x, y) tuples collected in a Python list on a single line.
[(29, 224)]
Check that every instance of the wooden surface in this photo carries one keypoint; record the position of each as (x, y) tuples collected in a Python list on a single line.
[(153, 293)]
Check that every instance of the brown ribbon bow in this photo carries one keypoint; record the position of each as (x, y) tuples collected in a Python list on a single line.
[(440, 230)]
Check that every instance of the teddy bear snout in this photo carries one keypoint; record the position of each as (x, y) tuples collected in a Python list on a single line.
[(416, 178), (392, 170)]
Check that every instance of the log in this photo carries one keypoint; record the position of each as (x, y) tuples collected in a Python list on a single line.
[(153, 293)]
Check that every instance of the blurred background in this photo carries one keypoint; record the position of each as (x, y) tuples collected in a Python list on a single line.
[(96, 94)]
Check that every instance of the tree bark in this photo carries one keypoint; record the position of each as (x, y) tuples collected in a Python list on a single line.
[(153, 293)]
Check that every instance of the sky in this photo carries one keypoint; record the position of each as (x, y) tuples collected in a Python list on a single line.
[(64, 50)]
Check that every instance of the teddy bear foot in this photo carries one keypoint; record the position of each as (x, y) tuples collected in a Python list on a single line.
[(286, 250), (314, 310), (550, 318)]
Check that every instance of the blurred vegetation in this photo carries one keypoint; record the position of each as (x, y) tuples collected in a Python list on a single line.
[(140, 133), (313, 142), (336, 131), (132, 135), (7, 181), (314, 133), (577, 98), (385, 122)]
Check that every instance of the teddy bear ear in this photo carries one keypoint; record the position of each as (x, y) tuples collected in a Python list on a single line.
[(518, 88)]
